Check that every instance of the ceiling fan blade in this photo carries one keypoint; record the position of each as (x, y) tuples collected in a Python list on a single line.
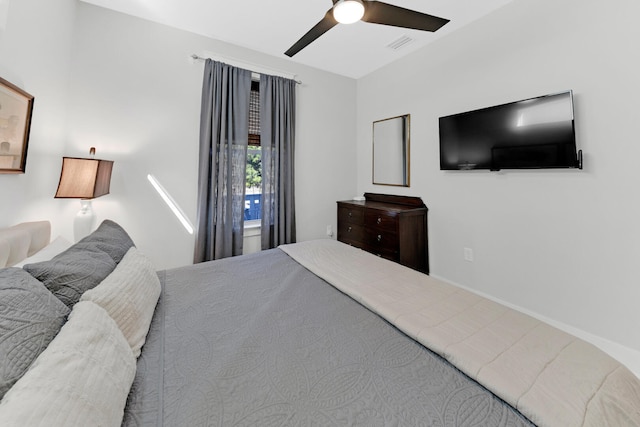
[(377, 12), (327, 23)]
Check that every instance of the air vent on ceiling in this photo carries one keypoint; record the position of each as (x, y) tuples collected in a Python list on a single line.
[(400, 43)]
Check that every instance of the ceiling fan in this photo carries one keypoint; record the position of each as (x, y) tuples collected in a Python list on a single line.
[(375, 12)]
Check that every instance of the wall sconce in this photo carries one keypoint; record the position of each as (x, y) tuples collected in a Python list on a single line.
[(84, 179)]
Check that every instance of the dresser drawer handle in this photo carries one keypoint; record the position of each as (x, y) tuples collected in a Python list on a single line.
[(349, 230), (350, 214), (379, 220), (379, 237)]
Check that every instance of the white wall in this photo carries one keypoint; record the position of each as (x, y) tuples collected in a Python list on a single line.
[(135, 96), (35, 55), (562, 244)]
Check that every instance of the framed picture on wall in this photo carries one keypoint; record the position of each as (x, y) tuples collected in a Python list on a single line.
[(16, 107)]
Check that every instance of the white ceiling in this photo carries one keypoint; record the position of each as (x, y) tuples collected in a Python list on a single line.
[(273, 26)]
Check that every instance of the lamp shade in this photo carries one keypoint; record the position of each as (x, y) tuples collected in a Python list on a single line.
[(84, 178)]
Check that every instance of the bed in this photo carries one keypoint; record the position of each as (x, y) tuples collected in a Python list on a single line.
[(314, 333)]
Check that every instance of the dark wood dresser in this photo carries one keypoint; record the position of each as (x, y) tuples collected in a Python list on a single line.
[(393, 227)]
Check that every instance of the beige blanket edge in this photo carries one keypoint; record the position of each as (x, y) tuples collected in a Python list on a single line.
[(550, 376)]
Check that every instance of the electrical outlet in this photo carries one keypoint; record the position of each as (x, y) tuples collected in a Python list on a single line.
[(468, 254), (329, 231)]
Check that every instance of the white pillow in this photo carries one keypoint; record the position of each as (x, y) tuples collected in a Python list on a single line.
[(81, 379), (59, 244), (129, 294)]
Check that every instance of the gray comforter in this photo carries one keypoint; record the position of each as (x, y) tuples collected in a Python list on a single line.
[(259, 340)]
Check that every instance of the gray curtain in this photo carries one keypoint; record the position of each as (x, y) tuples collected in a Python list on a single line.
[(277, 138), (224, 134)]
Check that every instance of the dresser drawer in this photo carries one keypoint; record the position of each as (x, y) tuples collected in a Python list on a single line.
[(380, 220), (353, 234), (351, 214), (381, 239), (383, 251)]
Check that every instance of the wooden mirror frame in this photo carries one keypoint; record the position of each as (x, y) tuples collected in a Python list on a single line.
[(391, 151)]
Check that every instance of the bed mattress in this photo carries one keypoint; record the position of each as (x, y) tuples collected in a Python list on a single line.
[(260, 340)]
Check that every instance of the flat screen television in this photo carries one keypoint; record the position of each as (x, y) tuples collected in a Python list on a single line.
[(528, 134)]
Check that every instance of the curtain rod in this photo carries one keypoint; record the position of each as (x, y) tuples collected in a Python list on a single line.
[(231, 62)]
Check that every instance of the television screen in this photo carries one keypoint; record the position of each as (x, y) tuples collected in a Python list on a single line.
[(533, 133)]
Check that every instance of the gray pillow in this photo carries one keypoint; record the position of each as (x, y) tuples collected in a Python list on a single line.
[(85, 264), (69, 274), (30, 317), (110, 238)]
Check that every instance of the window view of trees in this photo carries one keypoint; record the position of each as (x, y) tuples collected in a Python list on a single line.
[(254, 171), (253, 183), (253, 194)]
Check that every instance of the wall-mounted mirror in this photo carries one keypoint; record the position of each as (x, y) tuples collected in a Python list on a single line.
[(391, 151)]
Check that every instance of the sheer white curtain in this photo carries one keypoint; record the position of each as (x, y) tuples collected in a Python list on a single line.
[(277, 139), (224, 133)]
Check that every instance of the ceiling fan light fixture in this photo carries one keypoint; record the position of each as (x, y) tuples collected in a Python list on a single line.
[(348, 11), (372, 11)]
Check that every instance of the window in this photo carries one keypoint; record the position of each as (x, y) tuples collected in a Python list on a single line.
[(253, 181)]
